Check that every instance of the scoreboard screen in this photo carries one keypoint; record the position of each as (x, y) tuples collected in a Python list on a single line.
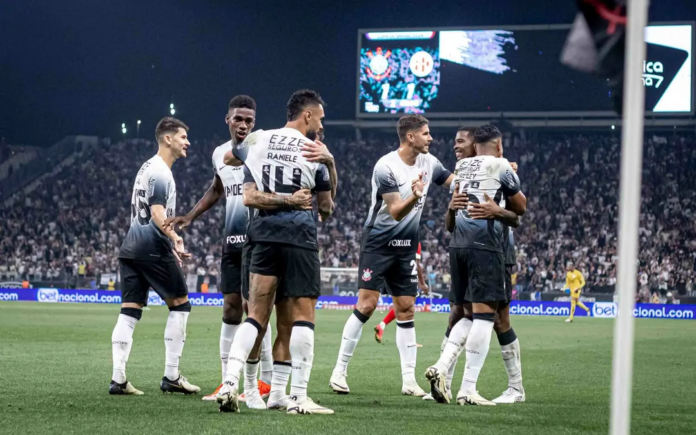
[(449, 71)]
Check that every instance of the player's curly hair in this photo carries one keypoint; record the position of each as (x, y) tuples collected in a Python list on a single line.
[(487, 133), (299, 101), (242, 102)]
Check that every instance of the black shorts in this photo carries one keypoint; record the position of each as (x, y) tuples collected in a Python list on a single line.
[(395, 273), (508, 281), (297, 269), (477, 276), (246, 259), (231, 273), (137, 276)]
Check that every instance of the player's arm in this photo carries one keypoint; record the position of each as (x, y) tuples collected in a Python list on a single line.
[(581, 279), (210, 198), (318, 152), (491, 210), (254, 198), (510, 184), (459, 201), (325, 205), (159, 214), (324, 188), (400, 208)]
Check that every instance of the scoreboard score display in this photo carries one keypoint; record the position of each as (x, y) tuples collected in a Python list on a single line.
[(445, 72)]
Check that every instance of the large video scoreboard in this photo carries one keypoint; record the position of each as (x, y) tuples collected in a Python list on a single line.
[(446, 72)]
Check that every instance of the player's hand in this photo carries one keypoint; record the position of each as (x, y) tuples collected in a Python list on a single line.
[(179, 251), (484, 210), (459, 201), (176, 223), (424, 288), (317, 152), (514, 166), (302, 199), (417, 186)]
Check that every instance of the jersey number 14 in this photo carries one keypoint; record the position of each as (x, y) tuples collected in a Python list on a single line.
[(279, 185)]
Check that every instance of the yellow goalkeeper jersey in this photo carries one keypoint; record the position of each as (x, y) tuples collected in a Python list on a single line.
[(575, 282)]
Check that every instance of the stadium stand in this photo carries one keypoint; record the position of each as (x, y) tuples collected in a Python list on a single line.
[(67, 230)]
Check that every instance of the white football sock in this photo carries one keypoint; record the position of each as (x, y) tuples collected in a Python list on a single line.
[(302, 353), (267, 357), (455, 343), (245, 338), (513, 364), (281, 376), (408, 349), (121, 344), (351, 335), (174, 339), (251, 368), (226, 338), (476, 351)]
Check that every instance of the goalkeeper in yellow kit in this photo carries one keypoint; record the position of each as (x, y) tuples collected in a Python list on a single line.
[(574, 282)]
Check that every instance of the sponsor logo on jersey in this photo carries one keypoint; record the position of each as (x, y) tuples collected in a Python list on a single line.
[(230, 240), (47, 295), (400, 243), (367, 275)]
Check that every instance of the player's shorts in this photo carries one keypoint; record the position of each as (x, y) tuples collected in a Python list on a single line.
[(137, 276), (477, 276), (508, 281), (397, 271), (231, 273), (246, 259), (297, 269)]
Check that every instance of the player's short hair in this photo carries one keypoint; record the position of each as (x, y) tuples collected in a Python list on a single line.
[(299, 101), (487, 133), (470, 130), (409, 123), (242, 102), (168, 125)]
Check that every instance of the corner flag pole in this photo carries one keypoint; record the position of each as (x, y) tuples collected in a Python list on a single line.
[(629, 212)]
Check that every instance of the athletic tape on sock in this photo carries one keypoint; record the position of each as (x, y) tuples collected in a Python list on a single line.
[(135, 313), (185, 307), (507, 337)]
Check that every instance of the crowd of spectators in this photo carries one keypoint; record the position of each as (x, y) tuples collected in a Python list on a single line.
[(72, 224)]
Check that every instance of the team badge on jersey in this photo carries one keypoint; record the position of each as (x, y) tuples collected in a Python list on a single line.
[(367, 275)]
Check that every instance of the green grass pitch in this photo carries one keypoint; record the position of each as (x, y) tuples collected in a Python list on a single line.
[(55, 367)]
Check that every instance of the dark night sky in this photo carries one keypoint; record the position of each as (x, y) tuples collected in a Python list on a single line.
[(85, 66)]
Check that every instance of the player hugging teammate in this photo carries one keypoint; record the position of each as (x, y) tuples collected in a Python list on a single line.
[(487, 200)]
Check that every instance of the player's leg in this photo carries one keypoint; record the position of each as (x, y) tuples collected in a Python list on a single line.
[(263, 282), (510, 348), (404, 305), (167, 279), (266, 363), (583, 306), (231, 272), (573, 304), (302, 279), (282, 364), (438, 373), (379, 329), (134, 296), (372, 269), (486, 287)]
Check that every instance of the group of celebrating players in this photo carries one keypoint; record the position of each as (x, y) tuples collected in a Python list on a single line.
[(270, 257)]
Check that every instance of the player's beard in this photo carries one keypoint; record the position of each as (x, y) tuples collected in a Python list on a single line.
[(311, 135)]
